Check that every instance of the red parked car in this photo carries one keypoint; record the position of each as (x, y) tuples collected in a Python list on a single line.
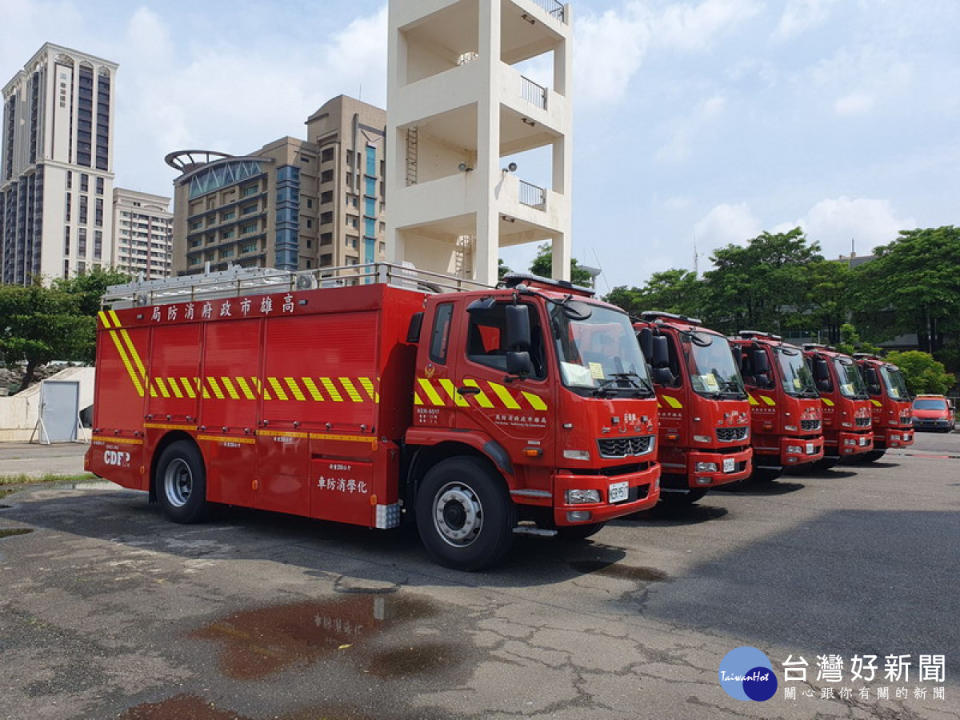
[(933, 412)]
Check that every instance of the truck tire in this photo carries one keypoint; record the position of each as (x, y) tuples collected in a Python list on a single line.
[(872, 456), (675, 499), (576, 533), (181, 483), (465, 516)]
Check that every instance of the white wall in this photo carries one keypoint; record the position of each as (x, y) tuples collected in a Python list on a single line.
[(19, 413)]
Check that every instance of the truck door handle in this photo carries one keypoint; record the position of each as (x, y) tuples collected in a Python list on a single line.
[(468, 390)]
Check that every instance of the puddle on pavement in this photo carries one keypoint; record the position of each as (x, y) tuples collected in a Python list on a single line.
[(181, 707), (618, 571), (257, 643), (7, 532), (416, 660)]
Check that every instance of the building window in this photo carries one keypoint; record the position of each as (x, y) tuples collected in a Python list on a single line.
[(327, 155), (309, 202), (309, 244), (326, 197), (353, 221), (441, 333), (84, 182), (99, 186), (196, 242), (226, 234), (248, 190), (229, 215), (226, 252), (66, 268), (326, 218), (326, 238), (247, 210), (326, 260), (350, 180), (327, 176), (69, 179), (98, 213), (371, 160), (67, 209), (66, 240), (81, 267), (309, 223), (306, 158), (353, 241), (82, 242), (97, 244), (248, 228), (195, 224), (83, 209), (248, 247)]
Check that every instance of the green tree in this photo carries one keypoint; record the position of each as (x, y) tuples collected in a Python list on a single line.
[(41, 324), (502, 269), (90, 287), (676, 291), (542, 265), (922, 372), (851, 342), (762, 286), (828, 298), (913, 285)]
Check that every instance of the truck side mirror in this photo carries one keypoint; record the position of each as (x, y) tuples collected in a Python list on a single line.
[(645, 338), (661, 353), (761, 363), (518, 328), (519, 363), (821, 372)]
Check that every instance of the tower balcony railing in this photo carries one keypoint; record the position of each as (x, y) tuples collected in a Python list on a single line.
[(533, 93), (533, 195), (554, 8)]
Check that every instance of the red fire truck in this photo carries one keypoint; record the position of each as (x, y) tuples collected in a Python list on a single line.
[(526, 407), (787, 429), (892, 409), (846, 406), (704, 413)]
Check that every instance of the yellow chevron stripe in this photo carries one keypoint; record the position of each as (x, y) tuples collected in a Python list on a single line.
[(768, 400), (416, 399), (876, 402), (187, 388), (133, 353), (351, 389), (212, 382), (672, 402), (506, 397), (312, 389), (158, 381), (368, 386), (277, 388), (104, 320), (172, 382), (536, 402), (452, 392), (331, 389), (201, 388), (115, 318), (752, 399), (261, 389), (245, 389), (228, 385), (294, 389), (432, 395), (827, 401), (126, 362), (482, 399)]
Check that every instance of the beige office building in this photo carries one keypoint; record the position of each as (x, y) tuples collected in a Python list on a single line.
[(143, 234), (293, 204), (56, 166)]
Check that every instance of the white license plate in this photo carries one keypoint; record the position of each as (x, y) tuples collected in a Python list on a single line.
[(618, 492), (729, 465), (811, 449), (864, 441)]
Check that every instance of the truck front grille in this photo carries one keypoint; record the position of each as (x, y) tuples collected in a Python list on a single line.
[(625, 446), (732, 434), (809, 425), (863, 422)]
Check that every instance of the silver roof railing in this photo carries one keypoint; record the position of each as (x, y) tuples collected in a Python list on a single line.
[(237, 282)]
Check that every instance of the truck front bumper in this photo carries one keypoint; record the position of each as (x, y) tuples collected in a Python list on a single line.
[(796, 451), (705, 470), (847, 444), (892, 437), (642, 493)]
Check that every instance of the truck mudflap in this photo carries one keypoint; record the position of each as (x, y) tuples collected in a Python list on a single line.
[(796, 451), (894, 437), (118, 458), (850, 443), (619, 495), (705, 470)]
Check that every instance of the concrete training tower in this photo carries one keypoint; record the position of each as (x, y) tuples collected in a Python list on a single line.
[(456, 106)]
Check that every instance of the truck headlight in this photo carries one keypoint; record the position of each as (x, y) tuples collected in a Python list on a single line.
[(579, 497), (790, 428), (850, 441), (702, 438), (706, 467), (576, 454), (794, 449)]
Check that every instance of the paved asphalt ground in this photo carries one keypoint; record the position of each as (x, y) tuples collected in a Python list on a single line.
[(107, 610)]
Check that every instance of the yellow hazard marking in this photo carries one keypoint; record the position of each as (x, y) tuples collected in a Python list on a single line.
[(672, 402), (536, 402), (752, 399), (161, 386), (187, 388), (312, 389), (227, 439), (506, 397), (294, 389), (212, 382), (277, 388), (345, 438), (126, 362), (768, 400), (245, 389), (168, 426), (432, 395), (104, 320), (282, 433), (482, 399), (331, 389), (133, 352), (351, 389), (827, 401), (451, 389), (368, 386), (118, 440), (172, 382), (228, 386), (416, 399), (876, 402), (114, 317)]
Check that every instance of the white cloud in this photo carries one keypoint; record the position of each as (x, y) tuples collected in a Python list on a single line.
[(858, 79), (726, 224), (802, 15), (679, 147), (694, 27), (834, 222), (856, 103)]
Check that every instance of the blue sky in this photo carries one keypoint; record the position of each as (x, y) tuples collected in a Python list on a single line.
[(696, 122)]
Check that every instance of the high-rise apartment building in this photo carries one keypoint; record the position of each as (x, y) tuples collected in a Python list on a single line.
[(142, 234), (293, 204), (56, 171)]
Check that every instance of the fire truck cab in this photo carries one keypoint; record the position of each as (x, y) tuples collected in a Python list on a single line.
[(891, 406), (787, 429), (362, 393), (846, 406), (704, 413)]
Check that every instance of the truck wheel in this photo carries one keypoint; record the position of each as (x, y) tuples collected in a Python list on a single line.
[(675, 499), (465, 516), (872, 456), (824, 464), (575, 533), (182, 483)]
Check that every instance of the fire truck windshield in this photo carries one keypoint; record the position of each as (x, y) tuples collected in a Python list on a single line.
[(713, 371), (896, 385), (797, 378), (599, 354), (848, 379)]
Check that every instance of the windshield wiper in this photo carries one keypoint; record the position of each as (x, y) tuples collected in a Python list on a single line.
[(733, 388), (630, 377)]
